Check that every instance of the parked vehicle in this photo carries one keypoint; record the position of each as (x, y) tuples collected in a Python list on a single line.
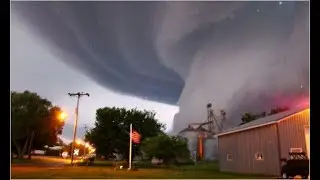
[(38, 152), (298, 164)]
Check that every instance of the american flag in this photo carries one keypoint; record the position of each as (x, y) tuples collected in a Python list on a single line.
[(135, 137)]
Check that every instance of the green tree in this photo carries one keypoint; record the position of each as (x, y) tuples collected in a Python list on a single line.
[(248, 117), (111, 132), (60, 142), (48, 129), (33, 122), (168, 148)]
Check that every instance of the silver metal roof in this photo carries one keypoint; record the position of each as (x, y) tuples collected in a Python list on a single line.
[(194, 129), (263, 121), (189, 128)]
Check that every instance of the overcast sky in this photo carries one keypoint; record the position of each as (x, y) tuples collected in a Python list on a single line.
[(162, 56)]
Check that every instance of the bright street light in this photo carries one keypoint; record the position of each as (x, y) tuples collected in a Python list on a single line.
[(92, 150), (78, 142), (87, 145), (62, 116)]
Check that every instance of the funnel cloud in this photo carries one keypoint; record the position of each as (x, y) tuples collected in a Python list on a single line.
[(239, 56)]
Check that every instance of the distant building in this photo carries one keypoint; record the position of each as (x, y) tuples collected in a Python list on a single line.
[(258, 146)]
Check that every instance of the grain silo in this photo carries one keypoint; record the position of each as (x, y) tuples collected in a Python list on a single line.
[(201, 136), (211, 148), (191, 134)]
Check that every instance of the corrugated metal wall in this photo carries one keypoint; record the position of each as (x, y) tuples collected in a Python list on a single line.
[(244, 145), (292, 133)]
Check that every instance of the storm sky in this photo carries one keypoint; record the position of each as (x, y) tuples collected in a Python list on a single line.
[(164, 56)]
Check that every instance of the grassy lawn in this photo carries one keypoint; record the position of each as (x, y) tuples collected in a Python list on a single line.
[(104, 170), (27, 161)]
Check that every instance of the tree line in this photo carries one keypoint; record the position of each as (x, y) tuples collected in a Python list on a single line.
[(110, 136), (35, 123), (249, 116)]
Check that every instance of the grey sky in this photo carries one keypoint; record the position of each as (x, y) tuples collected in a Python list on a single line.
[(238, 55)]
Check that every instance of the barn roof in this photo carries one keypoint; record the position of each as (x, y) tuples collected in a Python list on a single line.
[(200, 128), (263, 121)]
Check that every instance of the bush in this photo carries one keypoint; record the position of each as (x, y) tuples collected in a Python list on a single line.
[(170, 149)]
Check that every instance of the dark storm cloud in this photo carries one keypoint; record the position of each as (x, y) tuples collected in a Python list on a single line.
[(109, 41), (137, 48), (234, 54)]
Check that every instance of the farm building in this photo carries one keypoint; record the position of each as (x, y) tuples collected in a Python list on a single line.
[(201, 142), (258, 146)]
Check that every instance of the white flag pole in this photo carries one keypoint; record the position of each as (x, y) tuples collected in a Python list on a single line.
[(130, 147)]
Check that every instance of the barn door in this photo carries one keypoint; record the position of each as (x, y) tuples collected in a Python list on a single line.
[(307, 136)]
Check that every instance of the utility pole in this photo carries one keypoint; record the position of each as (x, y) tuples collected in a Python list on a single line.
[(78, 95)]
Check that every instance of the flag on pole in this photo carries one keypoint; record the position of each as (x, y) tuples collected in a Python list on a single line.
[(135, 137)]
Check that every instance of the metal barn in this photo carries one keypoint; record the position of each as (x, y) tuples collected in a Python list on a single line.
[(257, 147)]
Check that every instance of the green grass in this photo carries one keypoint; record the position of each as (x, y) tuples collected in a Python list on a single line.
[(105, 170), (26, 161), (103, 163)]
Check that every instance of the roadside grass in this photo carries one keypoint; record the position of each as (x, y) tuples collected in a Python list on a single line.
[(38, 161), (105, 170), (26, 161)]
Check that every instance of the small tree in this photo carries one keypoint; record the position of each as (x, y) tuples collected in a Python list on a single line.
[(111, 131), (248, 117), (167, 148)]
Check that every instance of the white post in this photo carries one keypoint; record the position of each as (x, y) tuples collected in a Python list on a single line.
[(130, 147)]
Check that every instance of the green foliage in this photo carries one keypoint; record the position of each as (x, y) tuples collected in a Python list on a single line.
[(111, 132), (60, 143), (48, 128), (167, 148), (248, 117), (26, 110), (32, 114)]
